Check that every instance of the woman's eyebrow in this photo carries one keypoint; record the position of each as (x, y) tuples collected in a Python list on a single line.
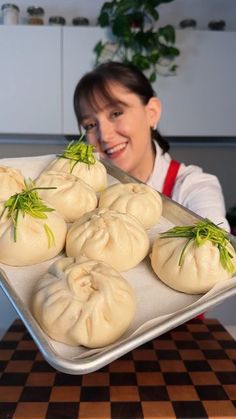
[(105, 107), (116, 103), (86, 116), (111, 104)]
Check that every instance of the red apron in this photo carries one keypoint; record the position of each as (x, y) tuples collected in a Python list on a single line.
[(170, 178), (168, 186)]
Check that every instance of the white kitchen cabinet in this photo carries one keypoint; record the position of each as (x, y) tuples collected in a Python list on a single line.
[(30, 80), (201, 99), (78, 58)]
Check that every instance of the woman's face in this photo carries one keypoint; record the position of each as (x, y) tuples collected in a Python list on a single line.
[(121, 131)]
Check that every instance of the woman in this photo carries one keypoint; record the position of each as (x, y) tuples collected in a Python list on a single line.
[(117, 108)]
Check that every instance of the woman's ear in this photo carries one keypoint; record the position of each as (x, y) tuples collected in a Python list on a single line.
[(153, 108)]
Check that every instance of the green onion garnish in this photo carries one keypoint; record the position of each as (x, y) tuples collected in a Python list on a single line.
[(50, 235), (78, 151), (200, 233), (28, 202)]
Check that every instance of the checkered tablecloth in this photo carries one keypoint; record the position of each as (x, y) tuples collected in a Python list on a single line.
[(189, 372)]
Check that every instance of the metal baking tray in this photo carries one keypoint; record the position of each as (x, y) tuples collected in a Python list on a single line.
[(160, 308)]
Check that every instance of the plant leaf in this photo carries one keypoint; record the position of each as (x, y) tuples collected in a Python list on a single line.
[(121, 26), (103, 19), (168, 33), (141, 61), (150, 10), (152, 77), (143, 45), (98, 48), (123, 6)]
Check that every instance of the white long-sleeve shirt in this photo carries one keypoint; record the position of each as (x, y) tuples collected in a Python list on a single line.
[(198, 191)]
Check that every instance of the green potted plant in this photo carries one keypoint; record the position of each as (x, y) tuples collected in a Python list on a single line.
[(135, 37)]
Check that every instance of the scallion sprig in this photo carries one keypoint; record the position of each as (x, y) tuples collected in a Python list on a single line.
[(28, 202), (78, 151), (200, 233)]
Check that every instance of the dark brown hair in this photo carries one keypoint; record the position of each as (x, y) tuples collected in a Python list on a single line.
[(97, 81)]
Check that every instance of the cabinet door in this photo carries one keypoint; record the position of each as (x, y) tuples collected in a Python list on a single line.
[(78, 58), (30, 70), (201, 99)]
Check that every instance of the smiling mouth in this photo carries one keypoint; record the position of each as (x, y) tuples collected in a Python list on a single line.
[(112, 151)]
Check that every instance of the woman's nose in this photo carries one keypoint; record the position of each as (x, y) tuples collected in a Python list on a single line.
[(106, 131)]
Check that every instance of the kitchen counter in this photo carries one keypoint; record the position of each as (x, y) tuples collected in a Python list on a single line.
[(189, 372)]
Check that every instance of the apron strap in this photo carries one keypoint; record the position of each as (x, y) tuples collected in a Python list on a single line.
[(170, 178)]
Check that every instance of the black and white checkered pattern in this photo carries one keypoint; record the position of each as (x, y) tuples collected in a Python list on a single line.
[(189, 372)]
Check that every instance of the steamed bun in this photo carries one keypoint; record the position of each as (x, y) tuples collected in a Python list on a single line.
[(11, 182), (137, 199), (83, 303), (33, 244), (200, 269), (94, 175), (110, 236), (72, 197)]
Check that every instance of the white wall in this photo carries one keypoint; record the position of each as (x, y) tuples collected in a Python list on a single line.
[(201, 10)]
